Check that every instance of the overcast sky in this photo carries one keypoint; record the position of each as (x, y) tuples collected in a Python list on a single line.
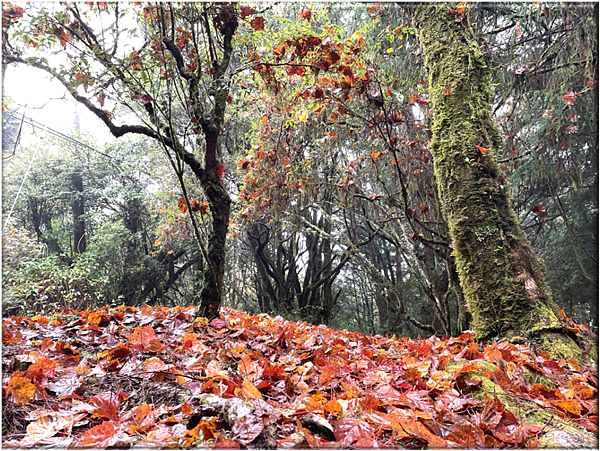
[(48, 102)]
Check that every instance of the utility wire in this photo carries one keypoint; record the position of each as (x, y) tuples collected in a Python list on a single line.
[(58, 134)]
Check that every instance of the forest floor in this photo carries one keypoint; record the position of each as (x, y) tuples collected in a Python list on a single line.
[(157, 377)]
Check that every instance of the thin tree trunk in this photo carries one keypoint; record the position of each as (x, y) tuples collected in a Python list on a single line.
[(502, 279), (220, 206), (79, 243)]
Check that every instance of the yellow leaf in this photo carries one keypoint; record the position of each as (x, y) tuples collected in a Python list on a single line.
[(248, 390), (304, 117), (568, 406), (21, 389)]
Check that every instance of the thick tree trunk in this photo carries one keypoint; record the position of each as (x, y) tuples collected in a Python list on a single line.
[(502, 279)]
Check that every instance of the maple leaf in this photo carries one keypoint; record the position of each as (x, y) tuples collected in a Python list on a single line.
[(569, 98), (483, 150), (258, 23), (220, 170), (100, 436), (182, 205), (306, 14), (48, 425), (143, 337), (20, 389), (246, 11), (62, 36), (136, 62), (142, 98)]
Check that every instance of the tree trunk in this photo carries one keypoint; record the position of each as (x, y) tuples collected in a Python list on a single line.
[(211, 294), (502, 279), (79, 244)]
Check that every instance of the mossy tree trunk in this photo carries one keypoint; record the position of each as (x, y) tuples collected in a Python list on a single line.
[(502, 279)]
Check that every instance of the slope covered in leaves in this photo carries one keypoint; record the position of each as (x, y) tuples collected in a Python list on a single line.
[(160, 377)]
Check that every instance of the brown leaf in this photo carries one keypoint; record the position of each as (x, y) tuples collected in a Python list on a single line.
[(47, 426), (246, 429), (246, 11), (142, 98), (258, 23)]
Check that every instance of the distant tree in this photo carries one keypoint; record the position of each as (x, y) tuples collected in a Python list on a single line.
[(167, 78)]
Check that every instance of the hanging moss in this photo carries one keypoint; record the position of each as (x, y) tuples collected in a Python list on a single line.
[(502, 279)]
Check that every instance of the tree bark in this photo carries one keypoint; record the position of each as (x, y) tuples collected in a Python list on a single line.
[(79, 242), (502, 279), (211, 294)]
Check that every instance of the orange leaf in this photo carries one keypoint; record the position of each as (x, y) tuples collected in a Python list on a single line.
[(414, 428), (258, 23), (568, 406), (265, 118), (333, 117), (569, 98), (43, 367), (375, 154), (101, 436), (108, 404), (21, 389), (64, 38), (141, 337), (182, 205), (460, 8), (248, 391), (483, 150)]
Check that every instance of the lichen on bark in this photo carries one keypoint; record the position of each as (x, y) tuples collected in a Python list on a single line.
[(502, 279)]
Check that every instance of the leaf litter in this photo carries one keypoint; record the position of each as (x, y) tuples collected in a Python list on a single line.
[(158, 377)]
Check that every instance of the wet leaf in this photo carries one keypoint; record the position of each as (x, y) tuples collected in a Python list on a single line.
[(20, 389)]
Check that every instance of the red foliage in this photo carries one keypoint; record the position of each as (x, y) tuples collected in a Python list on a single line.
[(137, 376)]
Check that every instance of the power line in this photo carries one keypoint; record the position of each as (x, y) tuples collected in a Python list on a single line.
[(58, 134)]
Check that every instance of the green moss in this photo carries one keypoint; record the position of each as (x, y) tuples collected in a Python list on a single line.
[(527, 411), (559, 346), (501, 277)]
